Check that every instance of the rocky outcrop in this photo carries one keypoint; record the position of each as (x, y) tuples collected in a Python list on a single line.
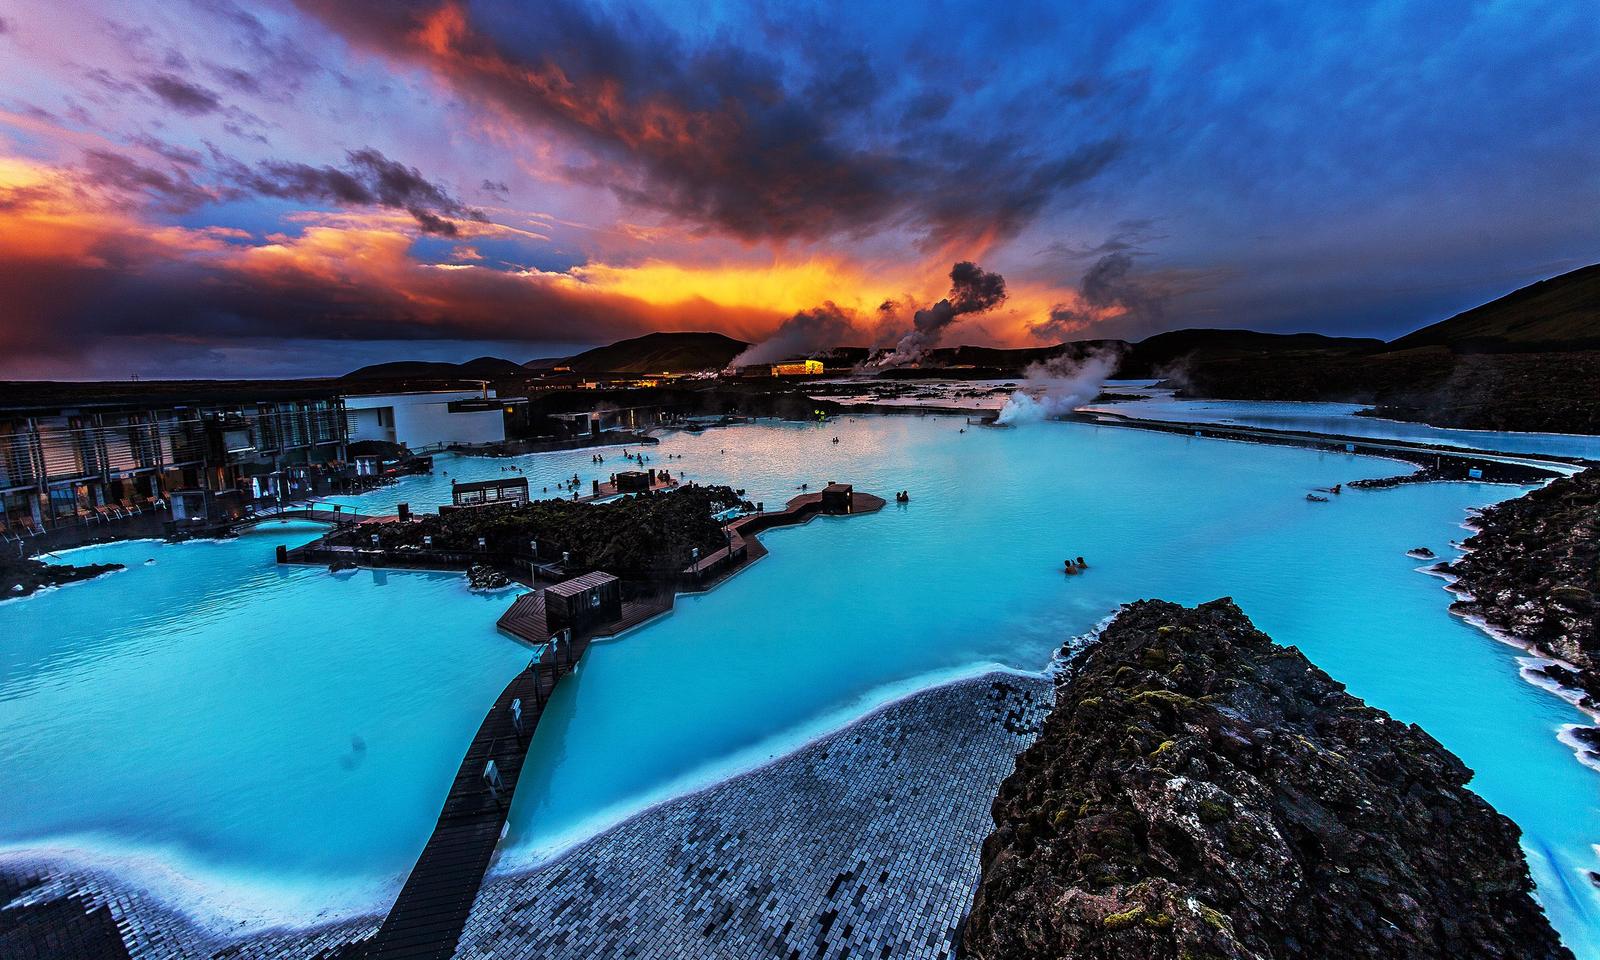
[(1201, 792), (20, 577), (485, 577), (1532, 571)]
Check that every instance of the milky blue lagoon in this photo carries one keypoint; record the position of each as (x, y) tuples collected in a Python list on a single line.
[(198, 714)]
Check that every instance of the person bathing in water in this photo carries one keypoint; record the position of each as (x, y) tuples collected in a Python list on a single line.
[(1073, 568)]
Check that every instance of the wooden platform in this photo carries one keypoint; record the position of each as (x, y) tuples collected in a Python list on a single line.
[(525, 619)]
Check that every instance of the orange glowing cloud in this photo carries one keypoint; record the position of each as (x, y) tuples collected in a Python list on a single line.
[(81, 264), (776, 286), (78, 267)]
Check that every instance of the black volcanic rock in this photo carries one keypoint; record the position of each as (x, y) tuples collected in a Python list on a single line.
[(1165, 352), (1529, 360), (1201, 792), (1533, 571), (33, 575)]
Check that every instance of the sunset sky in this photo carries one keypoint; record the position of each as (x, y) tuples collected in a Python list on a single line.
[(299, 188)]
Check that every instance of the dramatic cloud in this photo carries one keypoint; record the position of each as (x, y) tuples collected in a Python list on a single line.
[(181, 95), (370, 179), (79, 276), (175, 190), (713, 133), (220, 175)]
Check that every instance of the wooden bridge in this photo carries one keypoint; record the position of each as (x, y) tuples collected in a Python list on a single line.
[(431, 911), (315, 511)]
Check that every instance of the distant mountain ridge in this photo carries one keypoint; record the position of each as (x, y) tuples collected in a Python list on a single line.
[(1561, 313), (666, 352), (481, 368)]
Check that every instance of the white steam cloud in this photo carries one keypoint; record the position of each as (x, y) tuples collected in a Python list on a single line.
[(1058, 386), (806, 334)]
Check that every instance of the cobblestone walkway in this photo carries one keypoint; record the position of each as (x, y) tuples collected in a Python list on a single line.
[(863, 844)]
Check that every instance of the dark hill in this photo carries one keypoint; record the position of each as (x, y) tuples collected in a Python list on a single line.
[(1561, 313), (1151, 355), (660, 353), (481, 368)]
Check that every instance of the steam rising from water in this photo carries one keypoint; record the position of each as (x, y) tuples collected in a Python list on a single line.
[(1058, 386)]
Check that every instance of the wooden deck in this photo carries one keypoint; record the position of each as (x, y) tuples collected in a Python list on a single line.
[(743, 548), (525, 619)]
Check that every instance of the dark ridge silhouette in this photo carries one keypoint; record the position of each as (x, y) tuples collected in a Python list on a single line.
[(481, 368), (660, 353), (1561, 313)]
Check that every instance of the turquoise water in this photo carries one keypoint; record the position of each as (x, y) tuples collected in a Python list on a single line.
[(271, 740), (232, 760), (1340, 418)]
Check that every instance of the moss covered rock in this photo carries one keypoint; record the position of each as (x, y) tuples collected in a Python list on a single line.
[(1262, 812)]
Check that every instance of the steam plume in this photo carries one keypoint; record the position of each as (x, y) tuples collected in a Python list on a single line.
[(807, 333), (1058, 386), (972, 290)]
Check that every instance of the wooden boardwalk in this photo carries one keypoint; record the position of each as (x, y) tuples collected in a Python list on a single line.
[(431, 911), (429, 914)]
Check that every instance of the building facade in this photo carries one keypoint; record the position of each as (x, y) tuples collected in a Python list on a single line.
[(427, 420), (798, 368), (95, 461)]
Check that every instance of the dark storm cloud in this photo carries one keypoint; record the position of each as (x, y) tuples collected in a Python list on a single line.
[(170, 151), (127, 292), (368, 179), (723, 136), (182, 95), (174, 190)]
